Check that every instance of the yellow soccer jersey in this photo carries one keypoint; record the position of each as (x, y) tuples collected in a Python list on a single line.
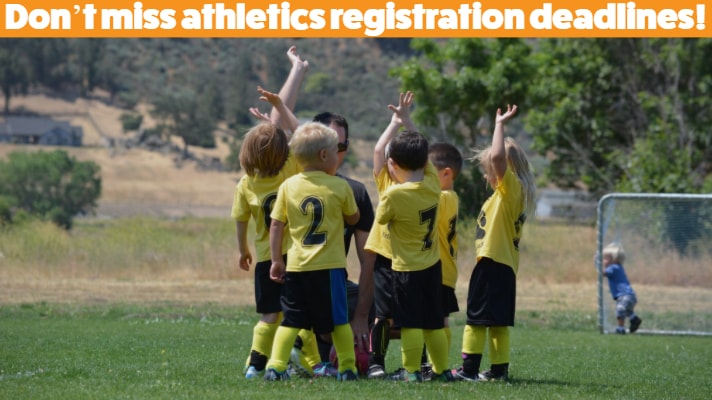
[(499, 225), (313, 204), (411, 210), (447, 232), (254, 197), (379, 238)]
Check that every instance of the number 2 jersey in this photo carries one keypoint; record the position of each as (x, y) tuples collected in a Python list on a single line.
[(313, 205)]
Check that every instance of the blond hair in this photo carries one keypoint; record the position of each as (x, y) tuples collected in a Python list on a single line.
[(615, 252), (519, 163), (311, 138), (264, 150)]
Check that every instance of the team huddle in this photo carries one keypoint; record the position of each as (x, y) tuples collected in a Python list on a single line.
[(315, 321)]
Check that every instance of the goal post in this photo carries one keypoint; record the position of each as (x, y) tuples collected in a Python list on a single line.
[(667, 239)]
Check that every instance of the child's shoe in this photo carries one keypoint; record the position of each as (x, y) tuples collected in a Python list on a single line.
[(347, 375), (252, 372), (620, 330), (376, 371), (295, 361), (325, 369), (460, 375), (404, 376), (273, 375), (635, 324), (493, 376)]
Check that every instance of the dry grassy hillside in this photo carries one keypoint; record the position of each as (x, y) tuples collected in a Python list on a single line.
[(137, 181)]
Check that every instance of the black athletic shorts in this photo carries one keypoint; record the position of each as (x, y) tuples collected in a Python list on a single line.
[(449, 301), (383, 287), (315, 300), (491, 296), (418, 298), (267, 291)]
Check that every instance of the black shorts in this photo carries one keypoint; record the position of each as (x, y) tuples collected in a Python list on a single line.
[(383, 287), (491, 296), (449, 301), (267, 291), (315, 300), (418, 298)]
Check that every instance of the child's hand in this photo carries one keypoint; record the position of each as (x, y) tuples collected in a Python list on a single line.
[(295, 59), (266, 95), (259, 115), (401, 113), (502, 118), (277, 271), (245, 261)]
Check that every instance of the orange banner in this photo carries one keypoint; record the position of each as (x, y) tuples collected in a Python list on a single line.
[(352, 18)]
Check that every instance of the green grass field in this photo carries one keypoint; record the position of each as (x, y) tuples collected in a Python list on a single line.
[(164, 351), (146, 308)]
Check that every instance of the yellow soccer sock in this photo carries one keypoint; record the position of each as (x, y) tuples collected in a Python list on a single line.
[(310, 351), (343, 339), (282, 348), (436, 342), (263, 337), (474, 339), (448, 335), (412, 348), (499, 345)]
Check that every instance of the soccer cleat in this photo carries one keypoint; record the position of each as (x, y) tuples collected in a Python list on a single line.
[(491, 376), (273, 375), (620, 330), (347, 375), (460, 375), (296, 364), (635, 324), (403, 375), (253, 372), (325, 369), (426, 371), (376, 371), (446, 376)]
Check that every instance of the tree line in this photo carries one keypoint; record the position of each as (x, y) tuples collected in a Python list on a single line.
[(629, 115)]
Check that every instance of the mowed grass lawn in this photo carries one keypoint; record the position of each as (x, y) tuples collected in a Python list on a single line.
[(175, 351)]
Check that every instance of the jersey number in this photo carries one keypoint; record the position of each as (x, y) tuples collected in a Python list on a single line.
[(452, 231), (313, 237), (428, 217), (267, 205)]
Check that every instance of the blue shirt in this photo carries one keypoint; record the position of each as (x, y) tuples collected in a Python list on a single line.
[(618, 281)]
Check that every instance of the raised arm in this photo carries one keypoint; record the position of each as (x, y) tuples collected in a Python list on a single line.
[(401, 117), (290, 89), (498, 155), (288, 120)]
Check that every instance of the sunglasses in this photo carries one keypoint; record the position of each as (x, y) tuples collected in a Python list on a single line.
[(342, 147)]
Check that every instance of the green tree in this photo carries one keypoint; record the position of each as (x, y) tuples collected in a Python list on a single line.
[(458, 86), (15, 70), (184, 114), (624, 114), (50, 185)]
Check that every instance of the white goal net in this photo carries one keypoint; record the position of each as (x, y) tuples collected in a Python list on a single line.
[(667, 240)]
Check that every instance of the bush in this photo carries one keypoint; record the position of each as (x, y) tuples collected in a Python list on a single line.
[(131, 121), (49, 185)]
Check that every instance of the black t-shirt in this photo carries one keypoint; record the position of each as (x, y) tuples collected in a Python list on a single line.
[(365, 209)]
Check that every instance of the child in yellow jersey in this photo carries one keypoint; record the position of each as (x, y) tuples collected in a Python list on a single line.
[(491, 295), (409, 207), (264, 156), (448, 161), (379, 243), (313, 206)]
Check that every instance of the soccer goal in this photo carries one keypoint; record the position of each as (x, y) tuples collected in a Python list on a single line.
[(667, 240)]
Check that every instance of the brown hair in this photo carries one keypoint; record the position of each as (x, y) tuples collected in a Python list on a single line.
[(264, 150)]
